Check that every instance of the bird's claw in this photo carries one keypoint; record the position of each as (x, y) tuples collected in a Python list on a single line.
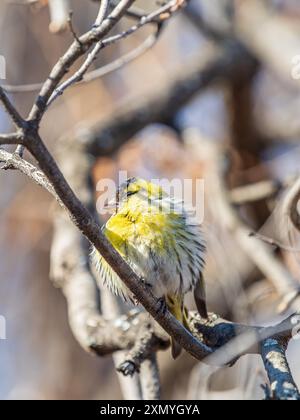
[(143, 280), (161, 306), (128, 368)]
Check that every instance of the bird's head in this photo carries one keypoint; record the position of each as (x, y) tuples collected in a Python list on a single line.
[(136, 193)]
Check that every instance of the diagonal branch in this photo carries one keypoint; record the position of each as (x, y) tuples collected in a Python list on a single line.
[(11, 110)]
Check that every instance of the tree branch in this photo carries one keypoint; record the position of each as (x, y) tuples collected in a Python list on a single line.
[(282, 385), (13, 138), (150, 379), (102, 12), (99, 72), (76, 50), (11, 110)]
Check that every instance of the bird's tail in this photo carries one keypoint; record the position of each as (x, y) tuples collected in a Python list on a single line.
[(177, 309)]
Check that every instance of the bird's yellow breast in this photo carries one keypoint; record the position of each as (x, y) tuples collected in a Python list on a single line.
[(155, 229)]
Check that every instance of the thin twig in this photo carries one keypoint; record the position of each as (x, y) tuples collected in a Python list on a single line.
[(75, 51), (125, 59), (11, 110), (71, 27), (77, 76), (100, 72), (160, 15), (102, 12), (134, 12)]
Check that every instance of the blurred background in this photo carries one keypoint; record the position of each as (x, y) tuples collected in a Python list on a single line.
[(251, 117)]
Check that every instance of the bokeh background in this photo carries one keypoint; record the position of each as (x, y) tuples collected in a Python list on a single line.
[(256, 120)]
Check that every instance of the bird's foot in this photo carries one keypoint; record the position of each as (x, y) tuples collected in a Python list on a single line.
[(143, 280), (161, 306), (128, 368)]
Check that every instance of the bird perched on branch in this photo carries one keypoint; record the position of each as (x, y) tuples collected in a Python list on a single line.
[(161, 242)]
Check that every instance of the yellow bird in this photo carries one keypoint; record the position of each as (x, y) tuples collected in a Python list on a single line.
[(163, 245)]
